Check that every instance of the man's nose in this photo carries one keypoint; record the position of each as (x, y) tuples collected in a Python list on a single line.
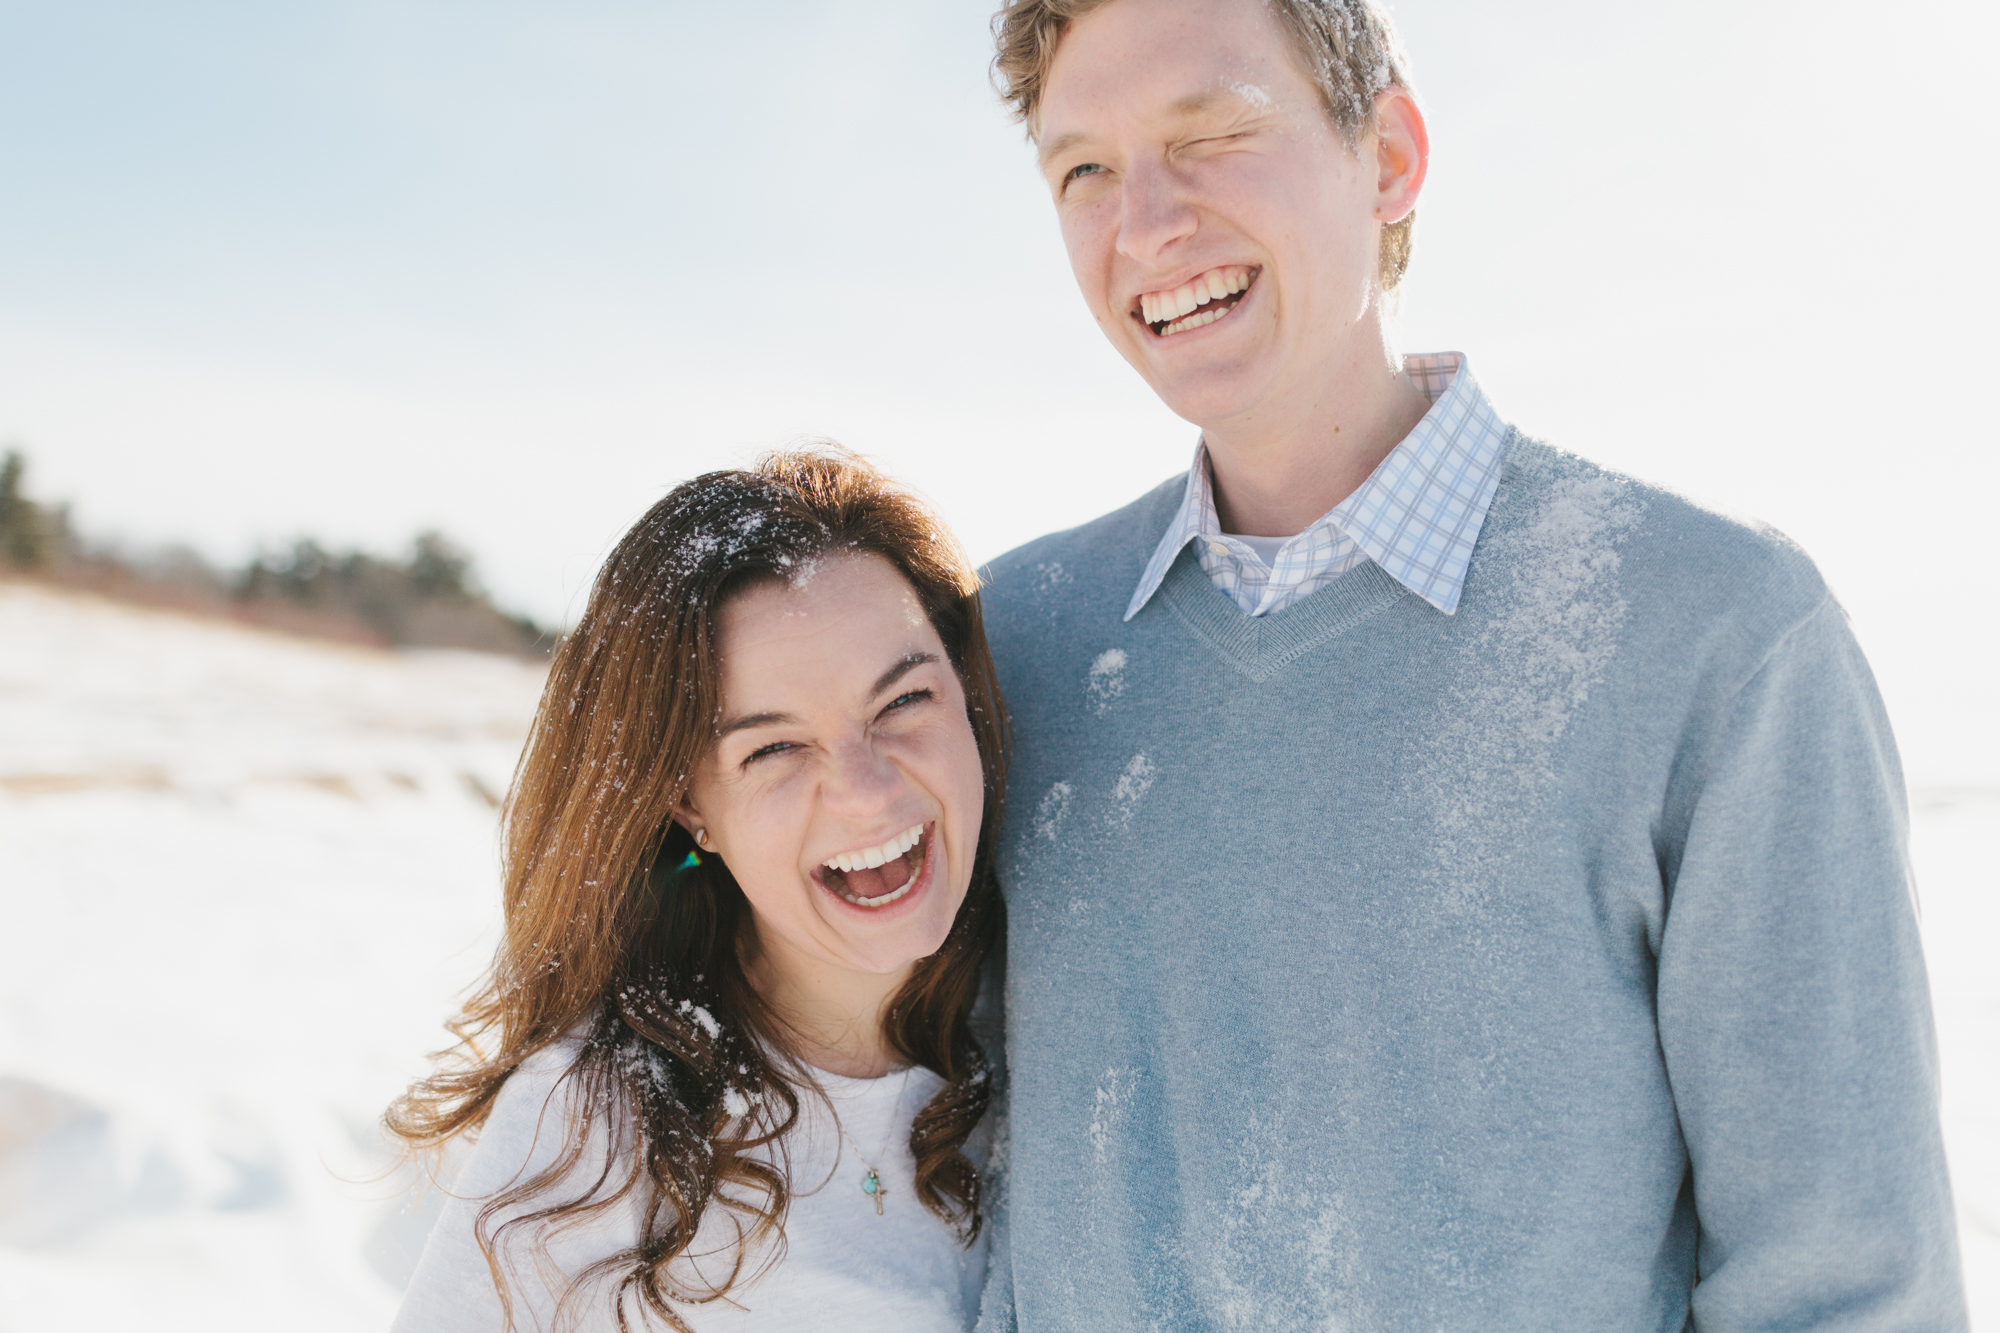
[(860, 781), (1153, 212)]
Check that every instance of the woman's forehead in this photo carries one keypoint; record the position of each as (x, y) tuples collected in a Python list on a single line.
[(833, 625)]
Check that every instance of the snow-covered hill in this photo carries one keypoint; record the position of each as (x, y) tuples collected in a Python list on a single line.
[(242, 877)]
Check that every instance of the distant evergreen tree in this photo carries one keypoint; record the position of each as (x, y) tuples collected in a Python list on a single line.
[(301, 576), (439, 568), (26, 536), (430, 600)]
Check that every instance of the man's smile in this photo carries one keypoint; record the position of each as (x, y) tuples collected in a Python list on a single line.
[(1201, 300)]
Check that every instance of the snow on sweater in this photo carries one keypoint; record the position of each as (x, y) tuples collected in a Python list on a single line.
[(1551, 965), (844, 1268)]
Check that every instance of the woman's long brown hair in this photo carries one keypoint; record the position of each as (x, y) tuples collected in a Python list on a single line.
[(617, 930)]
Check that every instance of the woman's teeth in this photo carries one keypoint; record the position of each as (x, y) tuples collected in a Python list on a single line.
[(886, 898), (869, 858), (878, 876)]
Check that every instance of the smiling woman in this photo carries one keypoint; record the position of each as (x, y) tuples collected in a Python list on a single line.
[(841, 790), (728, 1048)]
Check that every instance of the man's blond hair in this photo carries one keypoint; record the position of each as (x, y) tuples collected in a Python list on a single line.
[(1348, 48)]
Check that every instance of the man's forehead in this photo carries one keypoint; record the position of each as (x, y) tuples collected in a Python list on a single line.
[(1189, 106), (1167, 72)]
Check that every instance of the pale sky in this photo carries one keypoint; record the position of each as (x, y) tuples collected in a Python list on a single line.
[(356, 268)]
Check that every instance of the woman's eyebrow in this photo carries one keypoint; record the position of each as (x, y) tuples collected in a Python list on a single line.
[(895, 673), (901, 669), (753, 720)]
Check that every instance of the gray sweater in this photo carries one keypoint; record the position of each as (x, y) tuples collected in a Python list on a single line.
[(1551, 965)]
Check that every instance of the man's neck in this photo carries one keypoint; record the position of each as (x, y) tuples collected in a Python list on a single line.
[(1278, 470)]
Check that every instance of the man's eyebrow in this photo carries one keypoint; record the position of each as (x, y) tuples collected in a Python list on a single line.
[(901, 669), (1059, 145), (1194, 104)]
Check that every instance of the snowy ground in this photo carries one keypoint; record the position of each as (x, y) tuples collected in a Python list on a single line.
[(242, 877)]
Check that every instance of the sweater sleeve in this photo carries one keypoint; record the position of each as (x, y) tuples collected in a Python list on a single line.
[(996, 1297), (452, 1290), (1794, 1012)]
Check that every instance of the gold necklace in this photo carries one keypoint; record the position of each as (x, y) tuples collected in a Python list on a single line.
[(871, 1183)]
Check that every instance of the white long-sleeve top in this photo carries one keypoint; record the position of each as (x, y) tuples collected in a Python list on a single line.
[(844, 1267)]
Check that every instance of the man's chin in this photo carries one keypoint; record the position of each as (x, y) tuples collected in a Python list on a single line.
[(1210, 397), (1203, 389)]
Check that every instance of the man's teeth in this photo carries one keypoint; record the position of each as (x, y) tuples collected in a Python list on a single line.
[(1214, 285), (871, 857), (1193, 321)]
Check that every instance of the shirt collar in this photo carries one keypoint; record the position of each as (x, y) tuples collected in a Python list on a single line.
[(1418, 514)]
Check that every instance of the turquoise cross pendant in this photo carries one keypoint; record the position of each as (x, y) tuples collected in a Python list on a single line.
[(872, 1184)]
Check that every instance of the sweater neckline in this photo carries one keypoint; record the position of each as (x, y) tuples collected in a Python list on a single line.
[(1259, 645)]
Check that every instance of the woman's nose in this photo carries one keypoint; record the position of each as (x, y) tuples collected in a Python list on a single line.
[(860, 781)]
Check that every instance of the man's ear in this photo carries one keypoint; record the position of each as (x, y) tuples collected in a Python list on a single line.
[(1402, 154)]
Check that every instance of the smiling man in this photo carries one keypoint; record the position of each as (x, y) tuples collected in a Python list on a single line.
[(1451, 886)]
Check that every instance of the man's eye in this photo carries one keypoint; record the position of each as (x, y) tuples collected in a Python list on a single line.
[(1076, 173)]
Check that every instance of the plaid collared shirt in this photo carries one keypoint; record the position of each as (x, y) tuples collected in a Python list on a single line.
[(1417, 515)]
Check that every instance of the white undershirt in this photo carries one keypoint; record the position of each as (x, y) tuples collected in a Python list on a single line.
[(844, 1268), (1267, 548)]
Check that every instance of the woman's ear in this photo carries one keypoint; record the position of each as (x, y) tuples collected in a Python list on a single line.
[(690, 819), (1402, 154)]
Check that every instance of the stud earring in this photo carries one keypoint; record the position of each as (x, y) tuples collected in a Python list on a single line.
[(701, 838)]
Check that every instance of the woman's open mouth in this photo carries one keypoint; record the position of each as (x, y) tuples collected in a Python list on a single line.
[(880, 875), (1196, 303)]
